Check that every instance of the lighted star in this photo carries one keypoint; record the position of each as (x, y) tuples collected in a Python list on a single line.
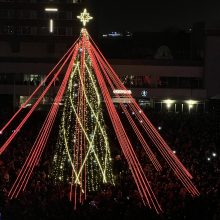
[(84, 17)]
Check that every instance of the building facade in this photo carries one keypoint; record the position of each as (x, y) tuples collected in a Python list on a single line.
[(178, 88), (35, 34)]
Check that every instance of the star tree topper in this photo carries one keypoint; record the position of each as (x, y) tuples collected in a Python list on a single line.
[(84, 17)]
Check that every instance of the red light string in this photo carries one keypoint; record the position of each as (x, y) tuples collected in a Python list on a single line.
[(134, 165), (171, 158), (120, 85), (5, 145), (185, 179), (80, 142), (189, 186), (146, 147), (39, 145), (80, 113), (106, 76)]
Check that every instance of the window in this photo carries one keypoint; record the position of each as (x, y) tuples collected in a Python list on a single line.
[(32, 79)]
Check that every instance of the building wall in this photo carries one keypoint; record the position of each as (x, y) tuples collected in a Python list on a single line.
[(153, 90), (27, 68), (184, 71), (164, 93), (34, 50), (212, 66)]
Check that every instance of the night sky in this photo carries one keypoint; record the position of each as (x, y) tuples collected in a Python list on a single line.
[(153, 15)]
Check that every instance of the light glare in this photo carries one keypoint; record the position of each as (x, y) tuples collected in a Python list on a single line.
[(51, 25), (168, 102), (51, 9), (191, 102), (121, 91)]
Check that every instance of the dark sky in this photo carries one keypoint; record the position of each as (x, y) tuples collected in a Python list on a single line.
[(152, 15)]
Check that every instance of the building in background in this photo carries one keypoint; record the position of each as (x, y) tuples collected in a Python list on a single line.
[(174, 70), (33, 36)]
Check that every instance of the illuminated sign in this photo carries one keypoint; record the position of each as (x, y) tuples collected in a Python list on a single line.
[(121, 91), (122, 100)]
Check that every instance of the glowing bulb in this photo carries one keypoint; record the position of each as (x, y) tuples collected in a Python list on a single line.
[(208, 158), (174, 151), (214, 154), (159, 128), (168, 102), (168, 105), (190, 106), (191, 102)]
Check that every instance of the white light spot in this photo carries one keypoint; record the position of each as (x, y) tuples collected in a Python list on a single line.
[(214, 154), (51, 26), (51, 9)]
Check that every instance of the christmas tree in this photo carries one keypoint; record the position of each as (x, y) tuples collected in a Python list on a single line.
[(82, 155)]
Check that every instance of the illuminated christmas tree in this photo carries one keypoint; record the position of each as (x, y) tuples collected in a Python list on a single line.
[(82, 153)]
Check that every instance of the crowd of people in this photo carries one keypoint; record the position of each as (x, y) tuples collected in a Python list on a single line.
[(193, 137)]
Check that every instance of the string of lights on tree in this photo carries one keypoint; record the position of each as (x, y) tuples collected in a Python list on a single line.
[(82, 157)]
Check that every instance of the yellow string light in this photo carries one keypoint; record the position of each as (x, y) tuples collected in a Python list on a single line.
[(96, 160)]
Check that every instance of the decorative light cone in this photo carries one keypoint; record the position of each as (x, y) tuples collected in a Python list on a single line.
[(82, 157)]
